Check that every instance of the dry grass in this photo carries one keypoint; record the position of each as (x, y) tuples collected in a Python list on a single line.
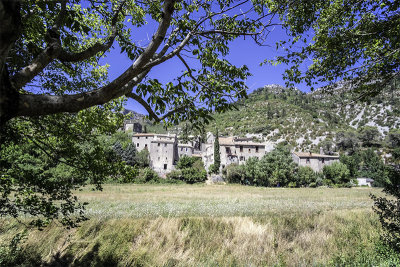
[(151, 201), (151, 225)]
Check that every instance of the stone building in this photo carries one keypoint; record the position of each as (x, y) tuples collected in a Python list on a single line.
[(185, 150), (313, 160), (233, 150), (238, 150), (163, 150), (132, 125)]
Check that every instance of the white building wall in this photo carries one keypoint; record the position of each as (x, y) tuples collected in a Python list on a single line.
[(162, 156)]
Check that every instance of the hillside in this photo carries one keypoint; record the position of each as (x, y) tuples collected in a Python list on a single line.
[(306, 121), (275, 114)]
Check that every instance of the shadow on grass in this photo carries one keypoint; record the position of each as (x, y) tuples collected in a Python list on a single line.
[(29, 257)]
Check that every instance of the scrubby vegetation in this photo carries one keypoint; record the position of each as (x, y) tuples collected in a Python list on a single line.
[(277, 169), (314, 120), (388, 209), (189, 170)]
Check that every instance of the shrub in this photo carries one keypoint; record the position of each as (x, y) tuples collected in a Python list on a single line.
[(388, 210), (188, 175), (306, 176), (186, 162), (130, 174), (147, 175), (234, 174), (143, 158), (189, 170), (336, 173)]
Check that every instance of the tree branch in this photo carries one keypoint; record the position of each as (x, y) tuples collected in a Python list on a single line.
[(33, 105), (54, 50)]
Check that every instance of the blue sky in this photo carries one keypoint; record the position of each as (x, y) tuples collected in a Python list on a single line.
[(242, 52)]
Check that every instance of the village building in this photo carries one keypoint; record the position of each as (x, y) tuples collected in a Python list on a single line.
[(163, 150), (235, 150), (185, 150), (313, 160), (132, 126)]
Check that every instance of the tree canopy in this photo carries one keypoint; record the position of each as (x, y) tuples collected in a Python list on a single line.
[(352, 41), (56, 98), (50, 53)]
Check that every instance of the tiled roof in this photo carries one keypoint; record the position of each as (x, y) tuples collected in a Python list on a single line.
[(154, 134), (230, 141), (314, 155)]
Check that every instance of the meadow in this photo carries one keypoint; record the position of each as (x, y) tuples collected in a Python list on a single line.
[(211, 225)]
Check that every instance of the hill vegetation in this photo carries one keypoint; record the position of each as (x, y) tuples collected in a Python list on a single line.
[(309, 121)]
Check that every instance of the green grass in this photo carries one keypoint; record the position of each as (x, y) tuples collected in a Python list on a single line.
[(211, 225)]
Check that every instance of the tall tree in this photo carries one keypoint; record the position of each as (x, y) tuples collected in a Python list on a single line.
[(217, 154), (56, 96), (50, 51)]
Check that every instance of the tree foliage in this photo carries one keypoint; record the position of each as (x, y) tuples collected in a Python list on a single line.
[(50, 53), (43, 159), (388, 209), (217, 155), (189, 170), (337, 173), (351, 41)]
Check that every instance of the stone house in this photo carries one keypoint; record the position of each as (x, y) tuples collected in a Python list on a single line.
[(238, 150), (233, 150), (313, 160), (163, 150), (132, 125), (185, 150)]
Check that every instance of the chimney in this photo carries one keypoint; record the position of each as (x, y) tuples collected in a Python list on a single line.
[(321, 151)]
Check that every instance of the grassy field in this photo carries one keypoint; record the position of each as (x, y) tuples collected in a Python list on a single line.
[(212, 225)]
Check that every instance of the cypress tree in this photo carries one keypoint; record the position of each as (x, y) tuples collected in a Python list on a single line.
[(217, 155)]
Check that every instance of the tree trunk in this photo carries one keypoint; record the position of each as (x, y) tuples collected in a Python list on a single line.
[(10, 21)]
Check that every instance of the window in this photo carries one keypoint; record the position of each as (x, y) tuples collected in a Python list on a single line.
[(165, 166), (181, 148), (307, 160), (242, 158), (138, 137), (249, 150), (146, 137), (158, 144), (241, 148), (145, 146), (165, 144), (137, 144), (186, 149), (256, 149), (228, 150), (323, 161)]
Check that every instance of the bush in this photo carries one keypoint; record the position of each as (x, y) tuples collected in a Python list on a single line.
[(189, 170), (186, 162), (388, 210), (142, 158), (336, 173), (234, 174), (188, 175), (147, 175), (306, 176)]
